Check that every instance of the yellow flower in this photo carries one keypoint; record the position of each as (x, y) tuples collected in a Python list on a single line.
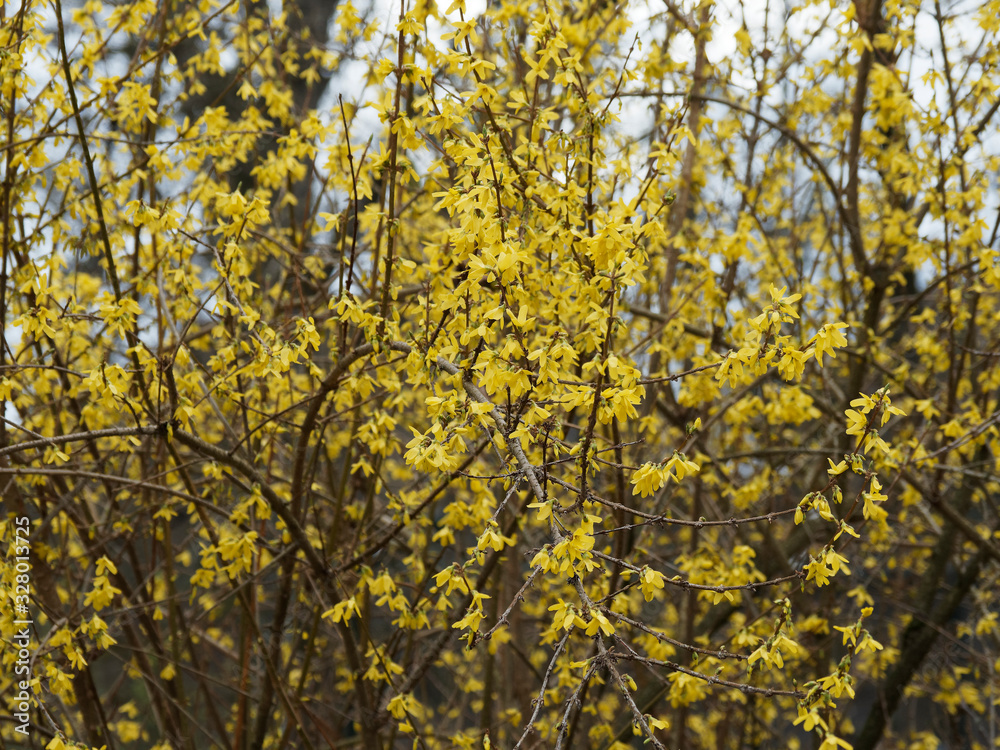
[(647, 479), (832, 742), (836, 469), (599, 622), (678, 466), (650, 581), (857, 422)]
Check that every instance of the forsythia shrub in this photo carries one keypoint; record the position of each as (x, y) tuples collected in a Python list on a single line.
[(529, 375)]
